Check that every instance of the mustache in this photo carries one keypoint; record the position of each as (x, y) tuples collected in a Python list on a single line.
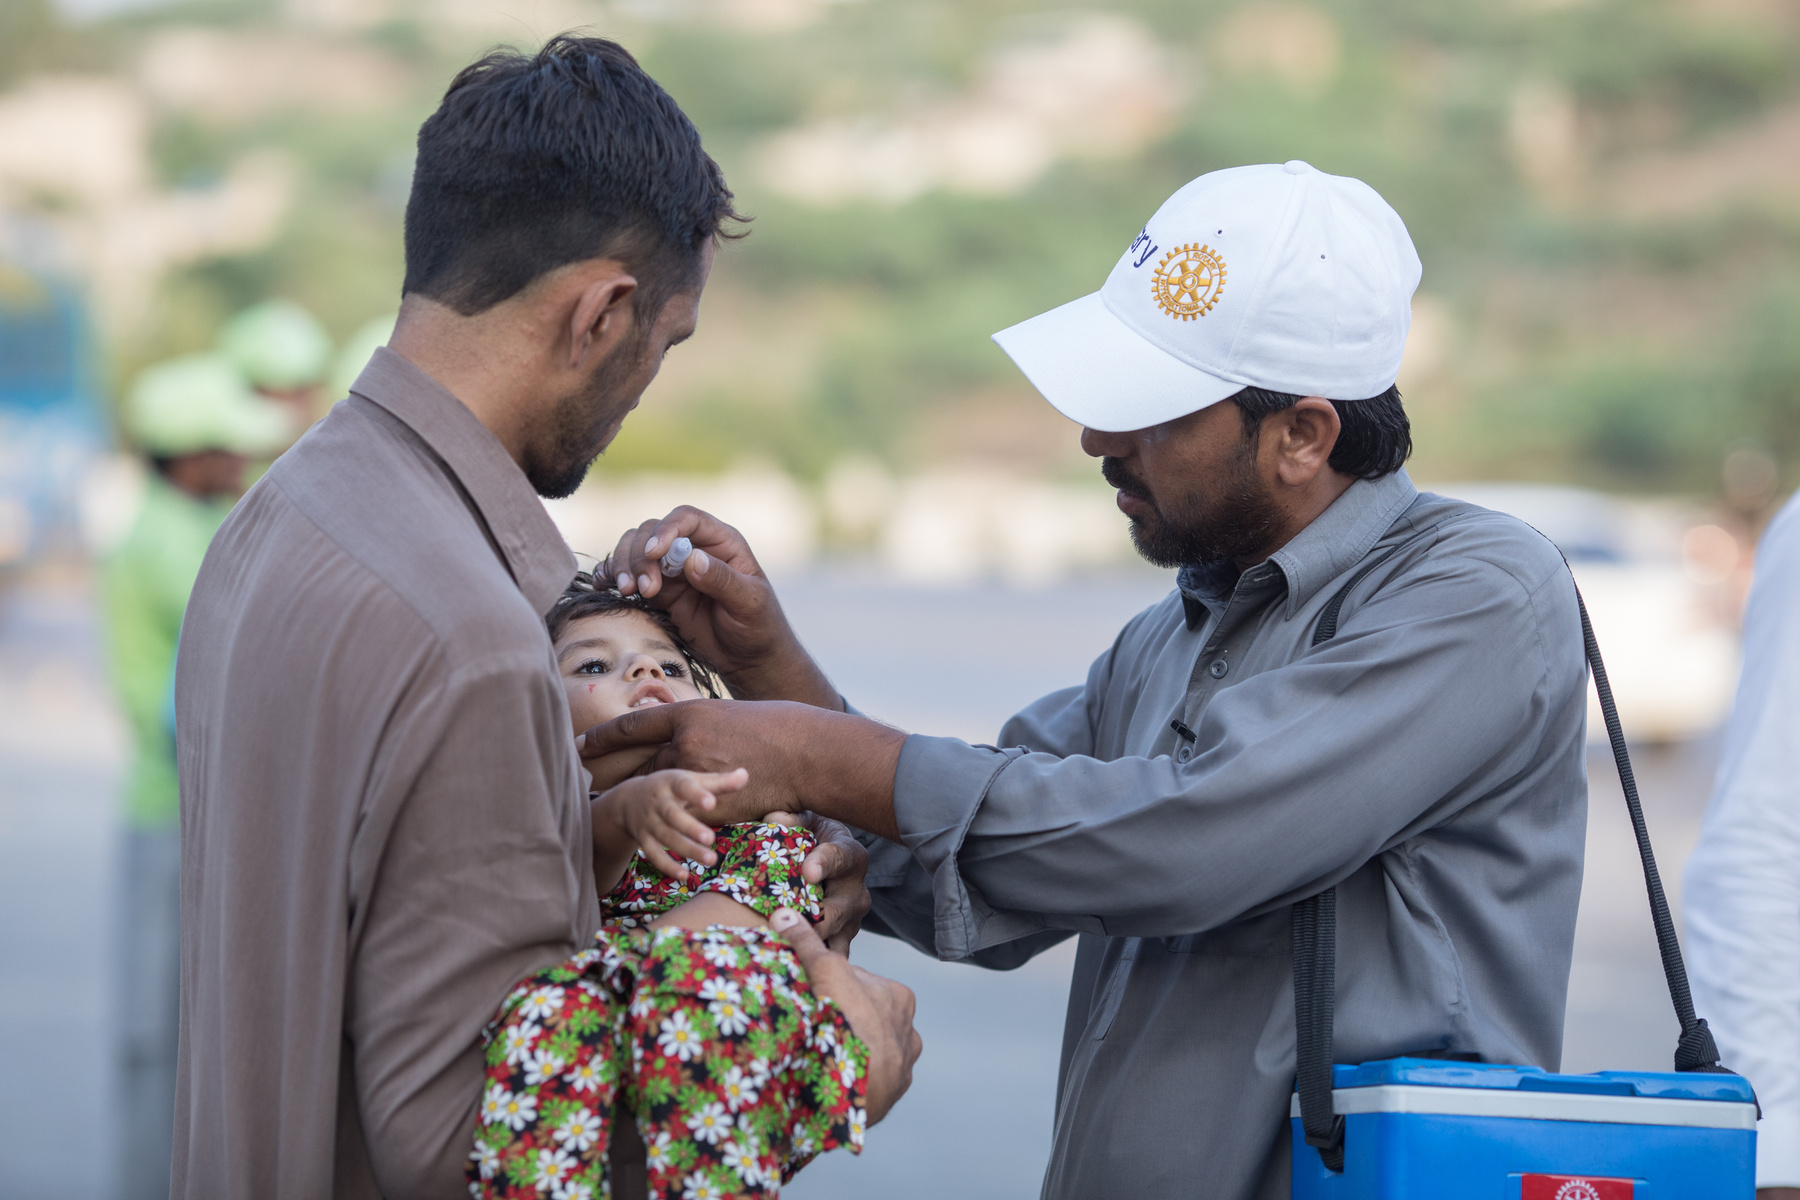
[(1113, 471)]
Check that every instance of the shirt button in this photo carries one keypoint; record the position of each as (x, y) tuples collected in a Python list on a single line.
[(1218, 669), (1185, 753)]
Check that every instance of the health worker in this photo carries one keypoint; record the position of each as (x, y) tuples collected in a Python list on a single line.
[(1352, 685)]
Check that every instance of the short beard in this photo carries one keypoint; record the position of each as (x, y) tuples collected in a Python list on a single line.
[(1237, 521), (574, 433)]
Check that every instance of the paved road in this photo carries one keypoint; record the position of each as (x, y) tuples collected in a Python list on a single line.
[(955, 662), (61, 752)]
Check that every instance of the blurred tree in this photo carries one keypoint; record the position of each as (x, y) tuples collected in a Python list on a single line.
[(28, 29), (1594, 189), (1767, 372), (34, 40)]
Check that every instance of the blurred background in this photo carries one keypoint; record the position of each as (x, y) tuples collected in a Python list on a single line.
[(1605, 194)]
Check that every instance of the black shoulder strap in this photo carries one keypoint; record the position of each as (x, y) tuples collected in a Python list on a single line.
[(1315, 934), (1315, 972)]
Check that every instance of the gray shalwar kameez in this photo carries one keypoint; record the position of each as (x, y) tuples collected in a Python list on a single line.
[(1428, 761)]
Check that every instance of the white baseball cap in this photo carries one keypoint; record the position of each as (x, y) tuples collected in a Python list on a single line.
[(1275, 276)]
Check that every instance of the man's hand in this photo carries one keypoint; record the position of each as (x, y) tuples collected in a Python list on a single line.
[(723, 604), (879, 1010), (839, 862), (799, 757)]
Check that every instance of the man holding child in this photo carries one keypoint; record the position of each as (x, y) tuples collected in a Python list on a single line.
[(385, 824)]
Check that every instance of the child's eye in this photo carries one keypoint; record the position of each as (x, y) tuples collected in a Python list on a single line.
[(674, 670), (593, 666)]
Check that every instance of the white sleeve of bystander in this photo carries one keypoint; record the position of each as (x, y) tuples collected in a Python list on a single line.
[(1742, 893)]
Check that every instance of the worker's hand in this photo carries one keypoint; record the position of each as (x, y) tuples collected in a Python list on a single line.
[(880, 1011), (799, 757), (724, 606), (839, 862)]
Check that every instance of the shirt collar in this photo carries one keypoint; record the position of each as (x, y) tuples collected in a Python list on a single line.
[(1342, 535), (1337, 540), (535, 553)]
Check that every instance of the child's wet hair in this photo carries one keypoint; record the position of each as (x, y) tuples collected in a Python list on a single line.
[(586, 597)]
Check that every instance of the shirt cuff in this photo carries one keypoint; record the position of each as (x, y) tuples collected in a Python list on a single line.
[(938, 788)]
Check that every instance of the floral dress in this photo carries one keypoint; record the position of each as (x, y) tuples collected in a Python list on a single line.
[(736, 1074)]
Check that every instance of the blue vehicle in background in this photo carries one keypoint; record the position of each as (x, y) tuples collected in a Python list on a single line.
[(52, 422)]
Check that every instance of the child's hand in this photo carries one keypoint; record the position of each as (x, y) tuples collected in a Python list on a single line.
[(656, 813)]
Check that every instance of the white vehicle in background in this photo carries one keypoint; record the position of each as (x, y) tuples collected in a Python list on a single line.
[(1654, 583)]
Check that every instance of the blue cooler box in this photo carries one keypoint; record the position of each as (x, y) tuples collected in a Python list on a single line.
[(1422, 1129)]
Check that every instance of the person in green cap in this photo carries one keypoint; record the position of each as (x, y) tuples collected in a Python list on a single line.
[(283, 351), (196, 419)]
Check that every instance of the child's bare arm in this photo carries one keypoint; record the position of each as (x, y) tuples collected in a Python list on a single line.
[(657, 813)]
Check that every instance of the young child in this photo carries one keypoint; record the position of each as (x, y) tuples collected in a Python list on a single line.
[(687, 1013)]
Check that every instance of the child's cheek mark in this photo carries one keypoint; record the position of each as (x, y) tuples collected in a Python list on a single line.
[(591, 689)]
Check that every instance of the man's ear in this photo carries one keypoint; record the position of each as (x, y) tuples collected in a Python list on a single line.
[(601, 318), (1308, 434)]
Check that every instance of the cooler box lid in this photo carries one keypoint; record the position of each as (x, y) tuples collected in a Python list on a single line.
[(1432, 1087), (1432, 1072)]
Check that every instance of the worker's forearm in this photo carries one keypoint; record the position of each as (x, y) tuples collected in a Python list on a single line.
[(849, 770)]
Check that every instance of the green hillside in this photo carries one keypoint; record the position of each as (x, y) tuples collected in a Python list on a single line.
[(1606, 197)]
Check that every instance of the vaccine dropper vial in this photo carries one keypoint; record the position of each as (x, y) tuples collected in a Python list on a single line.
[(677, 556)]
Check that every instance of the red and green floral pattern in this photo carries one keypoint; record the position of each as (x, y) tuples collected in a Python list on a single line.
[(736, 1074), (759, 866)]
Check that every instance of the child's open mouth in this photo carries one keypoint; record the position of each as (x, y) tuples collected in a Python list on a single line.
[(651, 691)]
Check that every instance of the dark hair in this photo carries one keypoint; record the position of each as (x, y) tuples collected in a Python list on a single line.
[(533, 162), (1375, 438), (584, 597)]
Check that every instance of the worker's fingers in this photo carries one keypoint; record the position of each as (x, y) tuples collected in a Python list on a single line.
[(838, 854), (839, 863), (652, 725), (745, 595), (706, 533), (616, 569)]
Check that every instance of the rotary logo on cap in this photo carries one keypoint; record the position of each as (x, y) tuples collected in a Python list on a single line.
[(1188, 281)]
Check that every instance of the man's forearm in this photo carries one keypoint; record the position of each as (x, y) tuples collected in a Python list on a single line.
[(846, 771)]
